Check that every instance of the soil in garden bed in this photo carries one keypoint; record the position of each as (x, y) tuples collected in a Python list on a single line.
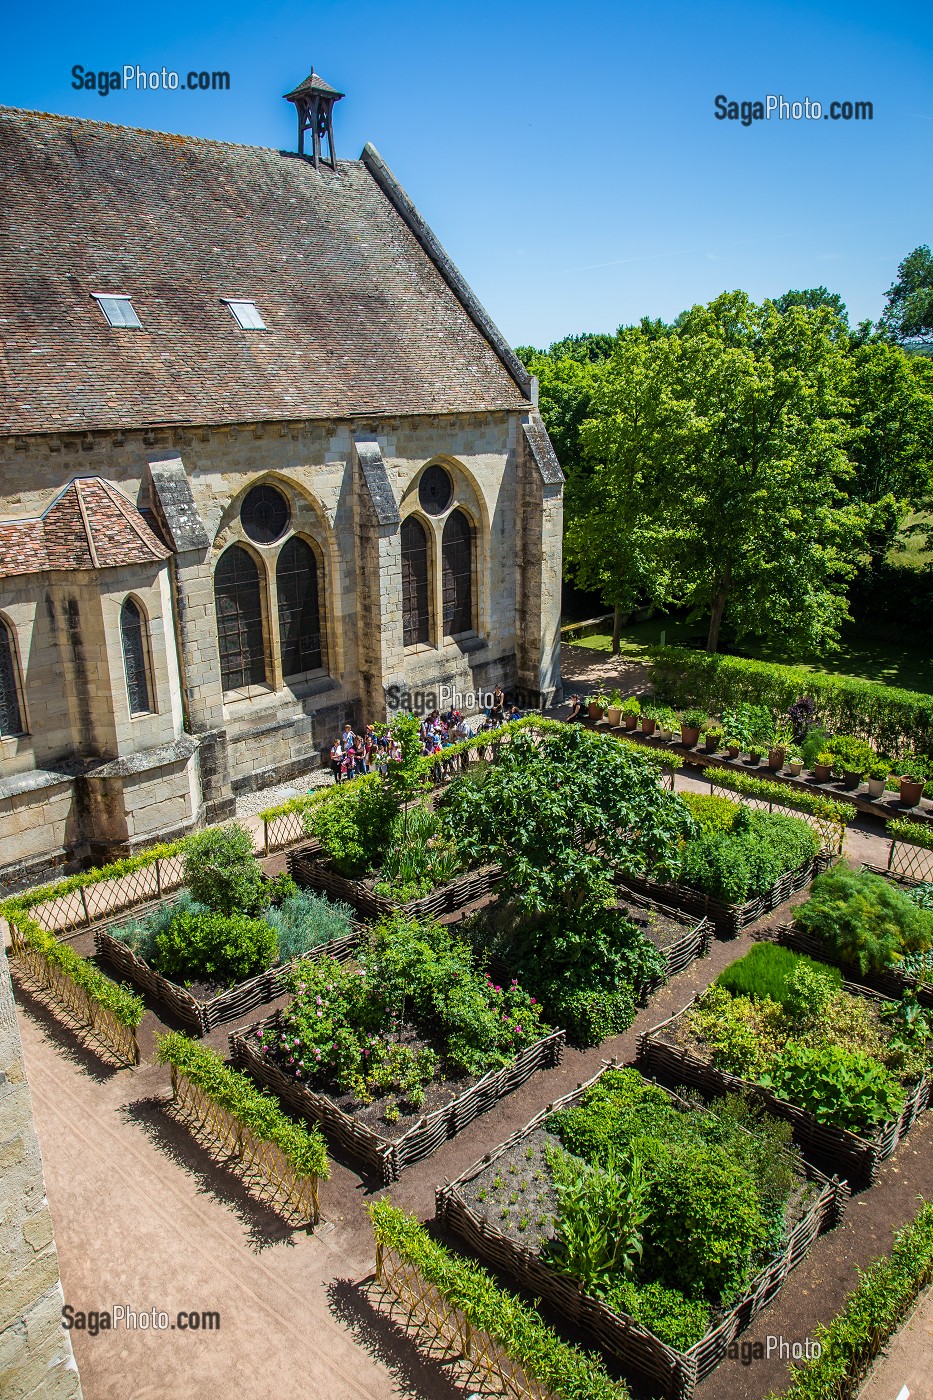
[(437, 1094), (662, 928), (516, 1196)]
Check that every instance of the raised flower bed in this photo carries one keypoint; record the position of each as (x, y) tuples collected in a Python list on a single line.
[(394, 1057), (312, 873), (677, 1049), (730, 919), (464, 1208)]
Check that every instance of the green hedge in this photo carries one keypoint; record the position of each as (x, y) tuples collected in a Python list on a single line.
[(913, 833), (799, 800), (564, 1370), (885, 1294), (123, 1004), (30, 898), (895, 721), (258, 1112)]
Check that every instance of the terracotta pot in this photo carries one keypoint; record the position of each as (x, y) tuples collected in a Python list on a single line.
[(876, 788), (850, 780), (596, 711), (911, 791), (710, 745), (776, 759), (732, 751), (754, 758), (630, 721), (822, 772), (689, 736), (795, 769), (613, 715), (648, 726)]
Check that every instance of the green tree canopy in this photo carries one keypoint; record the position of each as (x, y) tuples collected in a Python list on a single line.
[(908, 315)]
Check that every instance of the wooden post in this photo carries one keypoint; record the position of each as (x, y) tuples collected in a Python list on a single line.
[(891, 852), (87, 917)]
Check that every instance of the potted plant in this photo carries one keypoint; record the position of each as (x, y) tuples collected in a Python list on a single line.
[(812, 744), (649, 718), (614, 710), (691, 722), (853, 756), (712, 739), (667, 719), (823, 766), (911, 770), (631, 709), (777, 754), (876, 776), (596, 705), (793, 760)]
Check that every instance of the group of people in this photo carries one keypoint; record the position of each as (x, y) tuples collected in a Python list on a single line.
[(352, 754)]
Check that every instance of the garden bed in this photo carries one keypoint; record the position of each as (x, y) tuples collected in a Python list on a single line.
[(199, 1007), (383, 1155), (729, 919), (644, 1357), (313, 874), (889, 983), (856, 1157)]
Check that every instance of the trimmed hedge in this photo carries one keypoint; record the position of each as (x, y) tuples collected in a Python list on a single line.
[(568, 1373), (912, 833), (257, 1111), (894, 721), (885, 1293), (783, 795), (30, 898), (124, 1005)]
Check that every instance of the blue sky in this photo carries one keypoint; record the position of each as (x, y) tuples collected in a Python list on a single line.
[(567, 155)]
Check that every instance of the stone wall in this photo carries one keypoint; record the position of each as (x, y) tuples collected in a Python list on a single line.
[(36, 1359)]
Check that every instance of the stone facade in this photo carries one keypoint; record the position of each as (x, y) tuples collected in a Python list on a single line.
[(36, 1359), (91, 780), (126, 455)]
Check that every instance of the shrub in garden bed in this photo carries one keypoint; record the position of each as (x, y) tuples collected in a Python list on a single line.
[(740, 853), (663, 1208), (867, 922), (390, 1039), (784, 1021), (229, 923)]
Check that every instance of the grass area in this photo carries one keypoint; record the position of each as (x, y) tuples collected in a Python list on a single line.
[(863, 653), (914, 554)]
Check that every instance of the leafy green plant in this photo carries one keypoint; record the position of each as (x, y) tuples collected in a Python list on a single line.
[(616, 700), (214, 947), (123, 1004), (601, 1212), (850, 754), (768, 970), (303, 1148), (355, 825), (748, 727), (421, 853), (563, 1370), (844, 1088), (711, 813), (750, 857), (864, 920), (878, 770), (306, 920), (814, 804), (695, 719), (631, 705), (222, 872), (678, 1321)]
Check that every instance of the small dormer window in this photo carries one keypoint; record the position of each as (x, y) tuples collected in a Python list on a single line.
[(118, 309), (245, 314)]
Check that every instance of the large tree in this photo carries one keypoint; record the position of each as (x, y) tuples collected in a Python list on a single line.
[(908, 315), (719, 471)]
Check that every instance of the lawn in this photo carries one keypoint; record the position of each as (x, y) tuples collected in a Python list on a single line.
[(863, 652)]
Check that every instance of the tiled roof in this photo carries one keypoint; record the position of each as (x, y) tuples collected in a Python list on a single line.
[(313, 83), (361, 321), (90, 525)]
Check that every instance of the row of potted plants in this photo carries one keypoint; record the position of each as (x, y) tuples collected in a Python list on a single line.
[(753, 730)]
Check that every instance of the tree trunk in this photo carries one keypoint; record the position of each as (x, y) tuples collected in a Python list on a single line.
[(715, 618), (616, 629)]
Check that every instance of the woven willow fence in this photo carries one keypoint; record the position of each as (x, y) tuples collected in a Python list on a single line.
[(912, 863), (256, 1155), (76, 1004), (426, 1305), (100, 899)]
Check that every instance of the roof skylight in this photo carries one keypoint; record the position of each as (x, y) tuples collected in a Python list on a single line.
[(245, 314), (119, 310)]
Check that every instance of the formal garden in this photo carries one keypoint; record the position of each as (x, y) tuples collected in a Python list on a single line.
[(437, 942)]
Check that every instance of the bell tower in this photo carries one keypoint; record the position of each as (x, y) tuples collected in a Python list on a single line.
[(314, 100)]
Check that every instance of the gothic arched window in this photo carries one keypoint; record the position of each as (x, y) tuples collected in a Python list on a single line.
[(11, 718), (458, 574), (238, 600), (296, 576), (415, 609), (133, 637)]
